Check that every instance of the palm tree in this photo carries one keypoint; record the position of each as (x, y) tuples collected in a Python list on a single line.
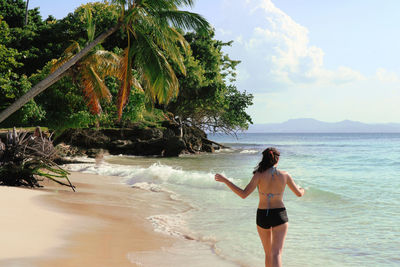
[(152, 28), (89, 73)]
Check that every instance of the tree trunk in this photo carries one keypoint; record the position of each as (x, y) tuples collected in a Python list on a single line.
[(55, 76), (26, 13)]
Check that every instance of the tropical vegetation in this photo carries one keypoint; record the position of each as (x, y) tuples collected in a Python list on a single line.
[(25, 159), (161, 63)]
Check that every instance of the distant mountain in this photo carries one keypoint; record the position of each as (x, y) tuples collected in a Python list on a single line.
[(316, 126)]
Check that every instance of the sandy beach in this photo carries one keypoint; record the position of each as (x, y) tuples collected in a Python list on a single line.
[(99, 225)]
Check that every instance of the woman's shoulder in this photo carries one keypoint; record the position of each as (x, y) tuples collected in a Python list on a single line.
[(284, 173)]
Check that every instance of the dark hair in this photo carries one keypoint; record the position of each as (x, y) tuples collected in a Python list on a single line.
[(269, 159)]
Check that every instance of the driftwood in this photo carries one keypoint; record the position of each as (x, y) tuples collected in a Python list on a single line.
[(215, 143), (25, 159)]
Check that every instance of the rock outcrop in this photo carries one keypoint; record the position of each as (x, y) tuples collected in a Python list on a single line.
[(168, 140)]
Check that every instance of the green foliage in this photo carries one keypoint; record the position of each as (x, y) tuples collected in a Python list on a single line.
[(104, 16), (13, 11), (154, 116), (32, 41), (8, 56), (133, 110), (64, 103), (14, 85), (207, 99), (43, 40), (234, 116)]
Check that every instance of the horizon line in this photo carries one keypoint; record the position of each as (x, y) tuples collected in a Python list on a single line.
[(326, 121)]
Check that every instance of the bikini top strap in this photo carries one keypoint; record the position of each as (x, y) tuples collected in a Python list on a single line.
[(269, 195), (273, 171)]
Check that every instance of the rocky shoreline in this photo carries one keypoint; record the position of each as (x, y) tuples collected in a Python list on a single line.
[(166, 140)]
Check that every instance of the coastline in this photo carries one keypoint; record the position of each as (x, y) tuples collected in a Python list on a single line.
[(99, 225), (209, 221)]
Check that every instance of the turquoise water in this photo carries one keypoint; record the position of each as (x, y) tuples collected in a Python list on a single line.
[(348, 216)]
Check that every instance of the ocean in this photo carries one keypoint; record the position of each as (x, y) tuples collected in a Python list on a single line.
[(348, 217)]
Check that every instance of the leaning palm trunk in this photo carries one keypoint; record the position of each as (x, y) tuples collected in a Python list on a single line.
[(55, 76), (26, 13), (25, 157)]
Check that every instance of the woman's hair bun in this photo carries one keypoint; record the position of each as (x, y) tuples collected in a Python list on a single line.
[(270, 158)]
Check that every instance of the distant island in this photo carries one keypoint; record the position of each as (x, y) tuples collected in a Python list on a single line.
[(307, 125)]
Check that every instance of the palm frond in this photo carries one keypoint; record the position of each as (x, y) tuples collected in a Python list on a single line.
[(171, 48), (125, 77), (92, 90), (69, 52), (184, 20), (168, 10), (167, 38), (153, 6), (157, 74), (165, 4), (136, 84), (129, 16), (179, 3), (73, 48), (100, 89), (108, 63), (121, 2), (90, 26)]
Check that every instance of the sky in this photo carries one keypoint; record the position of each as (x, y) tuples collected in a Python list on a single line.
[(327, 60)]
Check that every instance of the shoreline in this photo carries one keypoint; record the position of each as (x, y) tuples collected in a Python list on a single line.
[(170, 216), (99, 225), (113, 221)]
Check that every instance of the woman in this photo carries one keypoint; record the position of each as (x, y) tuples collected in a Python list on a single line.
[(272, 220)]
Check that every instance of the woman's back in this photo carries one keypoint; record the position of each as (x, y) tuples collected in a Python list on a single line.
[(271, 219), (271, 185)]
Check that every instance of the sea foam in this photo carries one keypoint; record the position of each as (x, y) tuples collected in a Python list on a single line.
[(155, 175), (249, 151)]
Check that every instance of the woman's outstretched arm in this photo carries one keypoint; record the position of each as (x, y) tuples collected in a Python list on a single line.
[(240, 192), (298, 191)]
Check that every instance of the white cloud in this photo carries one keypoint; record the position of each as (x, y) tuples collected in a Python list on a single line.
[(278, 52), (288, 76), (384, 75)]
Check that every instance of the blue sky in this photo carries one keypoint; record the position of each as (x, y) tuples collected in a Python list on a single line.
[(328, 60)]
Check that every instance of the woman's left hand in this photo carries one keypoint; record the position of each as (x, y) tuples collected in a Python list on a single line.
[(220, 178)]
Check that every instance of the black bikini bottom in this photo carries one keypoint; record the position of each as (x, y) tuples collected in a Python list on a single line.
[(267, 218)]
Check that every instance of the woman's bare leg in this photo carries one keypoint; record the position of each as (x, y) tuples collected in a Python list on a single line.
[(266, 240), (278, 239)]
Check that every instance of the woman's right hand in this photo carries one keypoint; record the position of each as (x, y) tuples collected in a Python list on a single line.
[(292, 185), (220, 178)]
